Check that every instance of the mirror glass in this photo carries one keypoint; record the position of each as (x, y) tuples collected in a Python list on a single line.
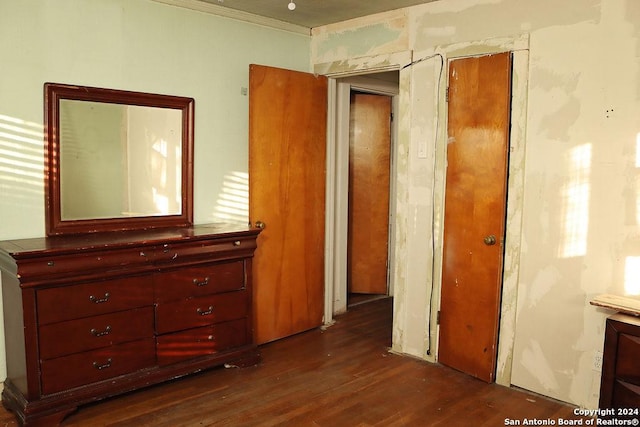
[(125, 160), (117, 160)]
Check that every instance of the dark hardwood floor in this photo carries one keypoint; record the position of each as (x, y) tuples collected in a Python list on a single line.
[(342, 376)]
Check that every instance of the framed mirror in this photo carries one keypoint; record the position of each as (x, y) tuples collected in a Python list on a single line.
[(116, 160)]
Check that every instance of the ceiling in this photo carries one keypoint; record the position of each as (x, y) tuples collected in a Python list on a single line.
[(314, 13)]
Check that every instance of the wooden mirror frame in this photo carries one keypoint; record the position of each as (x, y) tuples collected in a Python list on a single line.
[(54, 224)]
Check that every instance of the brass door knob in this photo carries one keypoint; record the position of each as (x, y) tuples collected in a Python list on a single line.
[(490, 240), (261, 225)]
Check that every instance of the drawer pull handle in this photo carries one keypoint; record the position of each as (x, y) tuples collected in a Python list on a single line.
[(236, 243), (198, 282), (97, 300), (97, 333), (206, 312), (103, 366)]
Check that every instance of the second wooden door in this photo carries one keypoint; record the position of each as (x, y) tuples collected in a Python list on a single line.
[(369, 171), (475, 209)]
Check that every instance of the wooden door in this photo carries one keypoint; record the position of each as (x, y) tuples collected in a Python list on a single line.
[(369, 171), (287, 156), (475, 207)]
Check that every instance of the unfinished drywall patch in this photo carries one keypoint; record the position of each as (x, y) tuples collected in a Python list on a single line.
[(408, 330), (515, 194), (379, 34), (535, 362), (368, 38), (364, 65), (423, 95), (437, 24)]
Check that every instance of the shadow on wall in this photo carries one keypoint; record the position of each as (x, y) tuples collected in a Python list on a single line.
[(233, 202), (21, 165)]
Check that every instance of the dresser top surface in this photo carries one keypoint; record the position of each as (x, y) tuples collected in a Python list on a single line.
[(629, 304), (38, 245)]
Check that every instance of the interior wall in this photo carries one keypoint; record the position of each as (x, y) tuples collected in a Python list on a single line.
[(137, 45), (575, 209)]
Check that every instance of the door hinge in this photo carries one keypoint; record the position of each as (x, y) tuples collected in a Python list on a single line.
[(446, 94), (438, 318), (391, 117)]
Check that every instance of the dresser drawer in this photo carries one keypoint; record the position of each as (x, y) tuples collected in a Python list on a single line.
[(97, 365), (84, 261), (201, 311), (176, 347), (205, 249), (196, 281), (89, 333), (628, 359), (626, 395), (94, 298)]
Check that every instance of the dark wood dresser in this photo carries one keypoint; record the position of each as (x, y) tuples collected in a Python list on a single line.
[(620, 385), (96, 315)]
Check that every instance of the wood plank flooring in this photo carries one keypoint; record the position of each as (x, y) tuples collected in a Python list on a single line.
[(342, 376)]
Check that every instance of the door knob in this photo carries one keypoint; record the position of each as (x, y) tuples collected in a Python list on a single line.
[(490, 240), (261, 225)]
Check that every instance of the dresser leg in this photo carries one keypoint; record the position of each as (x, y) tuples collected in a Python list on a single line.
[(29, 414), (47, 420)]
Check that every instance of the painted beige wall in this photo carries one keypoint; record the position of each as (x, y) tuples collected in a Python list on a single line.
[(573, 221), (136, 45)]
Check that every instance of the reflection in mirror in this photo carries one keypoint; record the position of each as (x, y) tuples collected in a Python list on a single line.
[(122, 160), (116, 160)]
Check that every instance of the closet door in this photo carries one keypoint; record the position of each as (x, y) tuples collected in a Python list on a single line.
[(475, 212)]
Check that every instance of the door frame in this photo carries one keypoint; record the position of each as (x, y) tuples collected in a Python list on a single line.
[(344, 87), (519, 48), (338, 174)]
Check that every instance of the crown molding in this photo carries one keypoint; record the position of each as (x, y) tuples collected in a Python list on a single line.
[(226, 12)]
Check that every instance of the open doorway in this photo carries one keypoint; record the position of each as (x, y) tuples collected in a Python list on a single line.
[(365, 152)]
